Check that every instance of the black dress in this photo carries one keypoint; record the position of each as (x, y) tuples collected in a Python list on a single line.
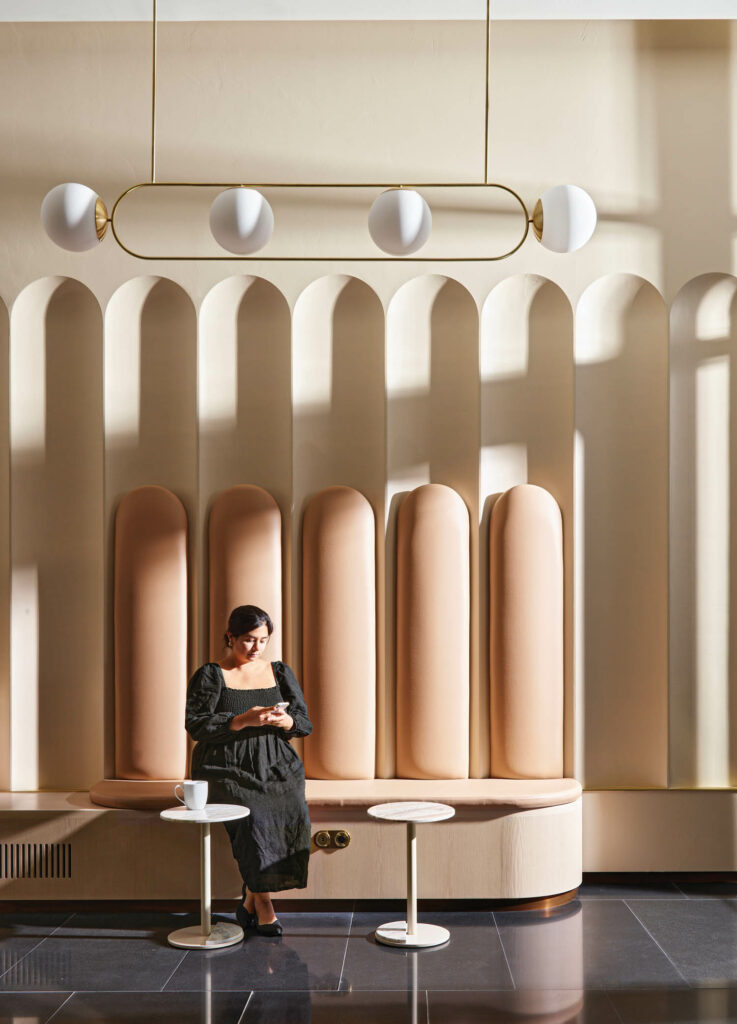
[(258, 768)]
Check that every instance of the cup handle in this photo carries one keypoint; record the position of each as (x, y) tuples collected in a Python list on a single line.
[(179, 798)]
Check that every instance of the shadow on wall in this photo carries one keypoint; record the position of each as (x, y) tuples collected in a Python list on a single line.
[(57, 522), (622, 532), (703, 555)]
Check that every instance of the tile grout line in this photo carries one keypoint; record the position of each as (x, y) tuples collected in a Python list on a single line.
[(649, 933), (243, 1011), (501, 943), (680, 890), (34, 948), (59, 1007), (176, 968), (345, 951)]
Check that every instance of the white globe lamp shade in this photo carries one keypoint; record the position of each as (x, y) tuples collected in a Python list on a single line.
[(241, 220), (399, 221), (74, 216), (564, 218)]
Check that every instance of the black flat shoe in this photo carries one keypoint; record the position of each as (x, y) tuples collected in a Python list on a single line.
[(244, 919), (274, 928)]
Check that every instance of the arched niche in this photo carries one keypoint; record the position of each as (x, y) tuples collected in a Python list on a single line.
[(432, 387), (703, 537), (56, 467), (432, 736), (4, 550), (244, 398), (150, 419), (526, 367), (339, 410), (622, 533), (339, 634)]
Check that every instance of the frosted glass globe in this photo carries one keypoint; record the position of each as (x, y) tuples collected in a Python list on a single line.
[(569, 218), (399, 221), (241, 220), (71, 216)]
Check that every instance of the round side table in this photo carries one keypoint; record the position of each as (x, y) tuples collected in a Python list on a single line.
[(409, 933), (204, 935)]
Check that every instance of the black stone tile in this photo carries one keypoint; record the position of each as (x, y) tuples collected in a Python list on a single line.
[(301, 960), (336, 1008), (101, 952), (153, 1007), (538, 1006), (472, 959), (708, 890), (20, 933), (29, 1007), (677, 1006), (699, 936), (642, 887), (598, 944)]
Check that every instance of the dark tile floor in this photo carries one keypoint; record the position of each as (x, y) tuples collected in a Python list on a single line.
[(636, 952)]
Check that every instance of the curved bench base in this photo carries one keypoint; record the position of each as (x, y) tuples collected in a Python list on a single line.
[(135, 794)]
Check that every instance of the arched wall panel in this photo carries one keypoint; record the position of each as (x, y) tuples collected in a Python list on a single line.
[(150, 635), (703, 537), (244, 561), (339, 429), (622, 533), (526, 364), (432, 386), (433, 635), (150, 422), (56, 711), (245, 413), (339, 634), (526, 635), (4, 551)]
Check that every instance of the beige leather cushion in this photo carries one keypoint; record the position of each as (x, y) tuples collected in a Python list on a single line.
[(432, 635), (245, 561), (339, 634), (150, 611), (526, 635)]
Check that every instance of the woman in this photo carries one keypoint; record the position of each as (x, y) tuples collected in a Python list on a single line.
[(243, 753)]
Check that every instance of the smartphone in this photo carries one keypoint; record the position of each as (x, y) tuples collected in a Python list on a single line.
[(281, 706)]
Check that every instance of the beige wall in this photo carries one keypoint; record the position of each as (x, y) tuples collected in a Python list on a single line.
[(541, 368)]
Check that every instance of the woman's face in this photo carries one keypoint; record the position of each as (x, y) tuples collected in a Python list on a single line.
[(250, 646)]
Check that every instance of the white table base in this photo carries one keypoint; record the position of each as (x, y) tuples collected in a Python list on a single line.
[(221, 934), (395, 934), (205, 935), (409, 933)]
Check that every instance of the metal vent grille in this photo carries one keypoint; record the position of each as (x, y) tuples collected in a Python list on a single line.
[(35, 860)]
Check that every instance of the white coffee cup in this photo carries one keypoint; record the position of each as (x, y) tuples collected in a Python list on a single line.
[(195, 793)]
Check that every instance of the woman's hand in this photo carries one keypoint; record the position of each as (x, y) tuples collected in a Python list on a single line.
[(261, 716)]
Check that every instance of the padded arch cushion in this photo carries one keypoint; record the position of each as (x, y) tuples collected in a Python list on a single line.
[(245, 561), (339, 634), (150, 625), (526, 608), (433, 639)]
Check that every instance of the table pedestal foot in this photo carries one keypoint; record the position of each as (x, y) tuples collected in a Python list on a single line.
[(222, 934), (395, 934)]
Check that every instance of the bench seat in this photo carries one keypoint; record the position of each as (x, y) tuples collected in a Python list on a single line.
[(519, 794)]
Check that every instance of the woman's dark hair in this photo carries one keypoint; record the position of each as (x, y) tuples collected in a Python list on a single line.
[(246, 618)]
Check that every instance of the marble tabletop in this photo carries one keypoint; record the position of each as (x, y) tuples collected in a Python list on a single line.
[(210, 812), (412, 810)]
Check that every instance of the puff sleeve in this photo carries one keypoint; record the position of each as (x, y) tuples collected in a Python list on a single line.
[(203, 694), (292, 692)]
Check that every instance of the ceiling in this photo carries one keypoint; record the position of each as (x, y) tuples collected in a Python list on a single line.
[(365, 10)]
